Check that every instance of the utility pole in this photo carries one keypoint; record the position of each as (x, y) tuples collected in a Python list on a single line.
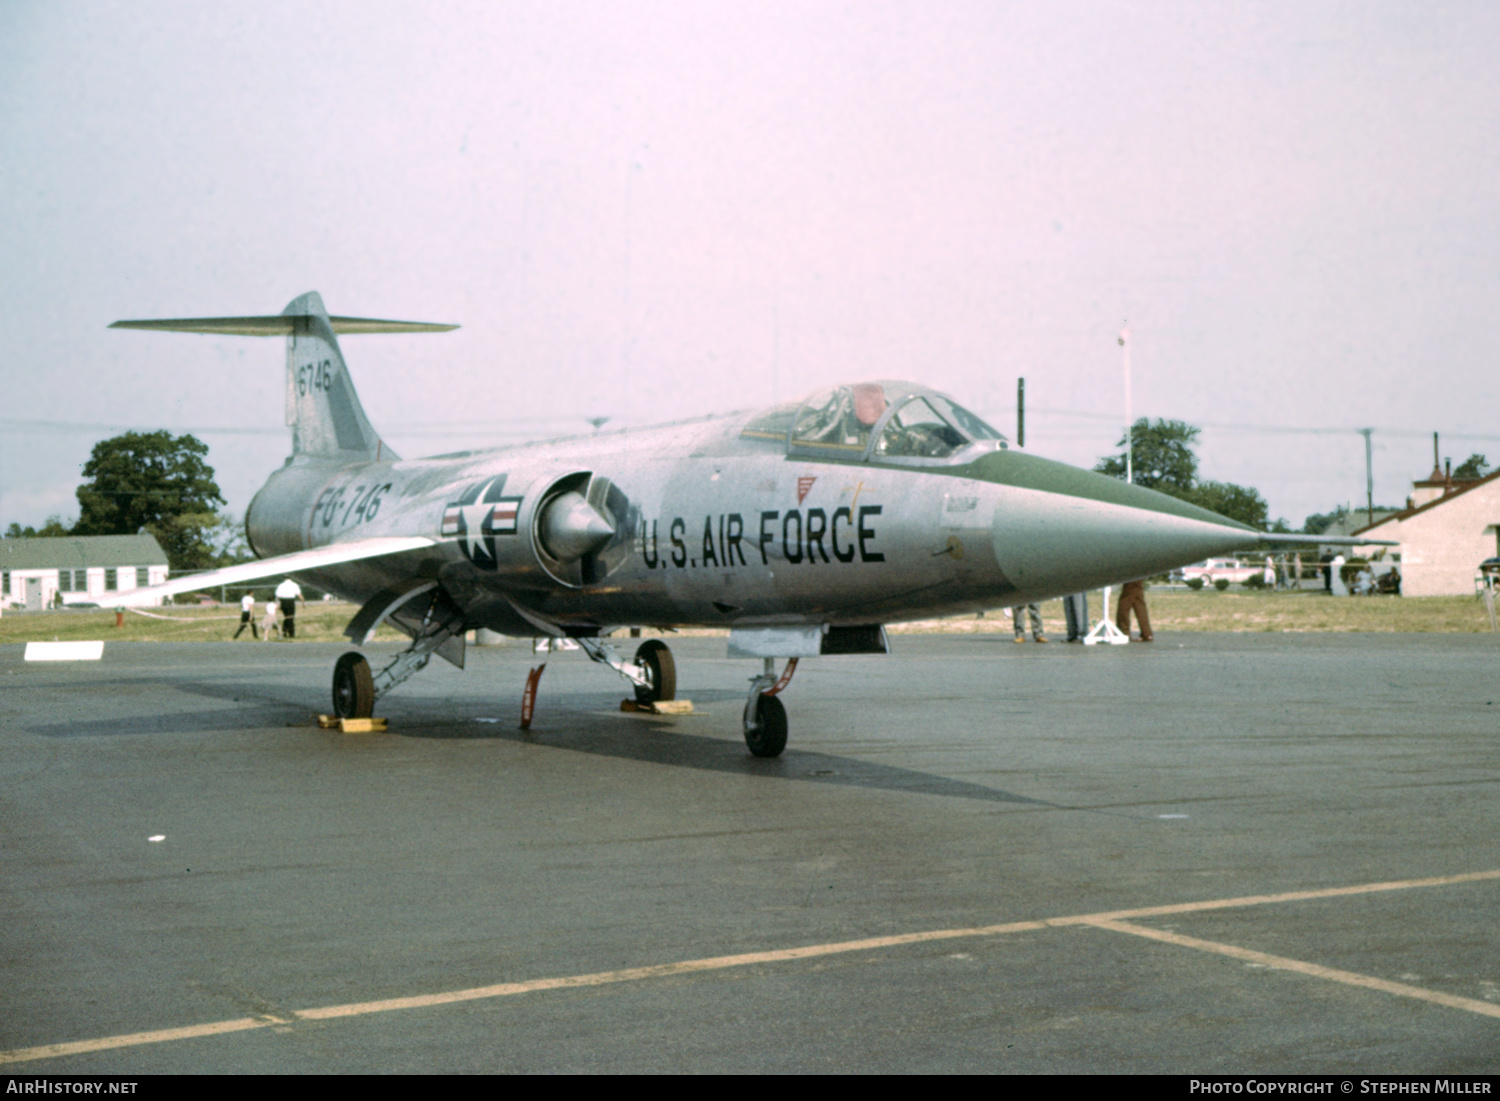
[(1020, 412), (1369, 477)]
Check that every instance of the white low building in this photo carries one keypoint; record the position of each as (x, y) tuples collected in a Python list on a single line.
[(77, 569), (1444, 536)]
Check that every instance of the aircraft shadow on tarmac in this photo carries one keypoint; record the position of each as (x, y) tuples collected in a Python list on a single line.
[(579, 723), (573, 724)]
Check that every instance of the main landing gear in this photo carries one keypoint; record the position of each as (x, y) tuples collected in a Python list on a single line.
[(435, 625), (353, 688), (765, 716), (653, 673)]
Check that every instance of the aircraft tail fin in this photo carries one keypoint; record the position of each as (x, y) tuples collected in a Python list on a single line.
[(322, 408)]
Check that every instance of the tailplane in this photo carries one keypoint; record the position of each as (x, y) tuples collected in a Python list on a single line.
[(322, 409)]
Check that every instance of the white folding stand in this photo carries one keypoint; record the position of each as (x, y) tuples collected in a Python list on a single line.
[(1105, 631)]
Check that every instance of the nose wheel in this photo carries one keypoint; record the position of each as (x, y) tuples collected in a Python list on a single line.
[(765, 716), (766, 736)]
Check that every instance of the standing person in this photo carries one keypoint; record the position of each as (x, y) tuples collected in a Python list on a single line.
[(1017, 615), (268, 623), (247, 617), (1296, 581), (1336, 583), (1133, 599), (288, 592), (1076, 608)]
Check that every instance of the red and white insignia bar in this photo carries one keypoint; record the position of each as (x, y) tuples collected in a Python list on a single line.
[(503, 516)]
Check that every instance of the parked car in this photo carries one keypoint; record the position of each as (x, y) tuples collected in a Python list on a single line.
[(1230, 569)]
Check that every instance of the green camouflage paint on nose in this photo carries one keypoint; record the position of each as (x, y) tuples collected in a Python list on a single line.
[(1011, 468)]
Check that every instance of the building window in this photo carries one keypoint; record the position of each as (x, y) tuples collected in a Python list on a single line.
[(81, 581), (5, 584), (111, 581), (65, 581), (142, 577)]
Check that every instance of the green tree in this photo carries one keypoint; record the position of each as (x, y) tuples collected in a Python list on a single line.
[(52, 528), (1241, 503), (1472, 467), (1319, 522), (1161, 456), (231, 545), (153, 482)]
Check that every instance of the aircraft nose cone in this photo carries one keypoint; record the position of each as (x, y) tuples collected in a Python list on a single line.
[(571, 527), (1059, 530)]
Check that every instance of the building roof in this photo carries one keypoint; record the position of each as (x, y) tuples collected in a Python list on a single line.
[(1406, 513), (80, 552), (1353, 522)]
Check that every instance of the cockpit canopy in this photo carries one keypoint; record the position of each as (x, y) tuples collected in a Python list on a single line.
[(887, 418)]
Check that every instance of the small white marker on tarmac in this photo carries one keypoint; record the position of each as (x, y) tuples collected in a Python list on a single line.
[(64, 651), (1171, 816), (157, 837)]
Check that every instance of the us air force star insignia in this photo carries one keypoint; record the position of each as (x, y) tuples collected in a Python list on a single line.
[(474, 528), (477, 517)]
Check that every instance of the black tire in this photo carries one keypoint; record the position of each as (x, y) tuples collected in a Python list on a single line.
[(655, 660), (769, 737), (353, 688)]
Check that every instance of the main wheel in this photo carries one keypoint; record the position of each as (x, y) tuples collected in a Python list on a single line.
[(655, 661), (353, 688), (768, 738)]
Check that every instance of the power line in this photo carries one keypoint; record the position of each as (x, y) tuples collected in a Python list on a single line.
[(1235, 426), (523, 426)]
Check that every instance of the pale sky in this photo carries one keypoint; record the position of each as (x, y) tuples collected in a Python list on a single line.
[(655, 210)]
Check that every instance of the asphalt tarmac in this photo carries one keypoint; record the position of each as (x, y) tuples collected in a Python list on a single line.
[(1215, 853)]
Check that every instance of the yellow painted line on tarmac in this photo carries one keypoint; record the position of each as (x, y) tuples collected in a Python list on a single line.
[(1302, 967), (501, 990), (1285, 896), (137, 1039), (663, 970), (1115, 919)]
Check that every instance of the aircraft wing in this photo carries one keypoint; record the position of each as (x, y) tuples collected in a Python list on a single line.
[(315, 559)]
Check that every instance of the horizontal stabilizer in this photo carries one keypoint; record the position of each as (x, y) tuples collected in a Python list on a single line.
[(279, 325), (333, 555)]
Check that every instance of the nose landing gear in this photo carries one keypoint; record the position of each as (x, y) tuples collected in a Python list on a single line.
[(765, 715)]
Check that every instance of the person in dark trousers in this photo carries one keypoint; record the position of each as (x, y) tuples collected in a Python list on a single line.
[(288, 593), (1133, 599), (1076, 608), (247, 617)]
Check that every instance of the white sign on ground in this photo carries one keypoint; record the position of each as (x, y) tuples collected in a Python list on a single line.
[(64, 651)]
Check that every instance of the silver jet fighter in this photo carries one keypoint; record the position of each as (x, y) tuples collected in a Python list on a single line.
[(803, 528)]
